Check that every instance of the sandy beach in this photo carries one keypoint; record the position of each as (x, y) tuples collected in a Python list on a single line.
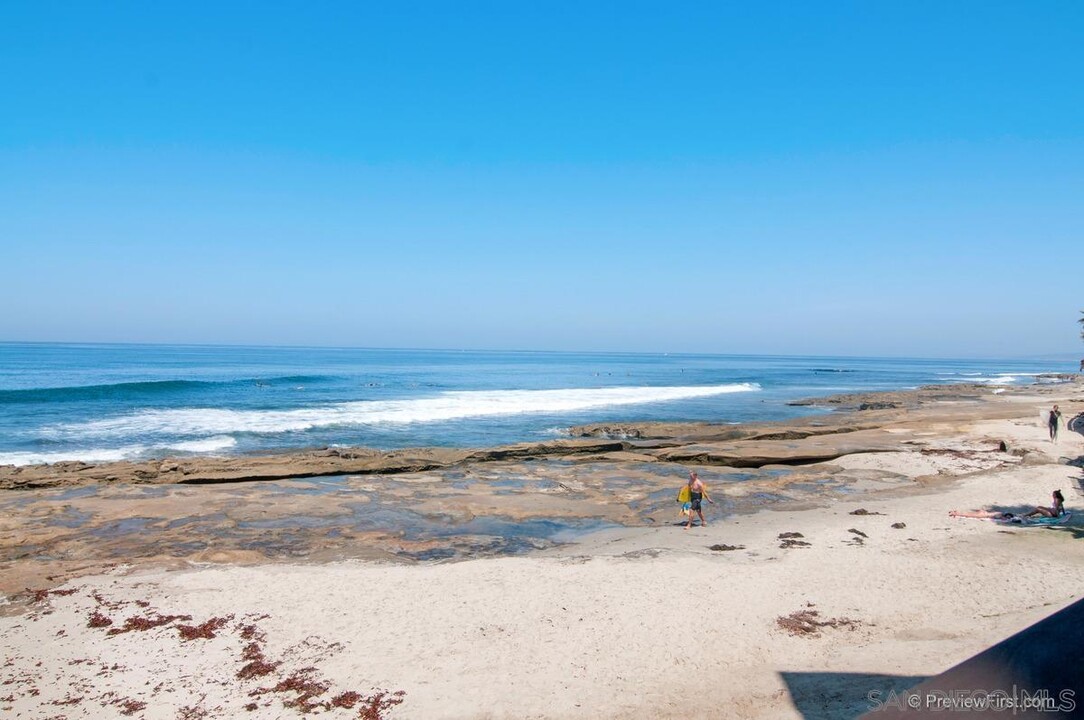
[(829, 569)]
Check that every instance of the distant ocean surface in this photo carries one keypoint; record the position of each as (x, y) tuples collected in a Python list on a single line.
[(113, 402)]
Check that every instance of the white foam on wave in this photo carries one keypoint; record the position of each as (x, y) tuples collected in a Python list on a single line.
[(88, 455), (126, 452), (1005, 379), (446, 406), (207, 445)]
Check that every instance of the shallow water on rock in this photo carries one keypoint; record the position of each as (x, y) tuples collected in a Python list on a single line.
[(499, 508)]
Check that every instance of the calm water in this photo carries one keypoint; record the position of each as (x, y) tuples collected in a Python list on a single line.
[(105, 402)]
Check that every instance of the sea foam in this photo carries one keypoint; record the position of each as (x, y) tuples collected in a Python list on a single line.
[(1003, 379), (87, 455), (207, 445), (190, 422), (125, 452)]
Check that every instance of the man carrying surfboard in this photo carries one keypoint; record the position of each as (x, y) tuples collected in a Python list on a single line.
[(684, 499), (698, 492)]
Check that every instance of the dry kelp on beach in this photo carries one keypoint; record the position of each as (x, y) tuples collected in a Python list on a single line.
[(301, 689), (808, 622)]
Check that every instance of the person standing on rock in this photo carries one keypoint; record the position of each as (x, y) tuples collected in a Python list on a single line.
[(698, 492), (1055, 416)]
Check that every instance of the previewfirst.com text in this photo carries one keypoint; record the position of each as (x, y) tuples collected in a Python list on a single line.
[(1007, 701)]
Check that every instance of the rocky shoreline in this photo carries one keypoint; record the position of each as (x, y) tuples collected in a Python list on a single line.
[(854, 427)]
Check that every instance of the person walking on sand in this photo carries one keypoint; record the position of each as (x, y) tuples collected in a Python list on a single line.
[(1055, 416), (697, 493)]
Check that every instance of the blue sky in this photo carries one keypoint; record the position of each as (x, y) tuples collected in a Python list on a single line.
[(866, 178)]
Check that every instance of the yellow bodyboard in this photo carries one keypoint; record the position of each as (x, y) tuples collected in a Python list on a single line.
[(683, 494)]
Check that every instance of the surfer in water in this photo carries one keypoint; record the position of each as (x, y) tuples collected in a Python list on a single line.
[(1055, 416), (698, 492)]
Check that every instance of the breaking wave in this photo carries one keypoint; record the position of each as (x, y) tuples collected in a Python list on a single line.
[(188, 422), (125, 452)]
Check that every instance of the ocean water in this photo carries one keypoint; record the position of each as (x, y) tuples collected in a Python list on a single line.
[(110, 402)]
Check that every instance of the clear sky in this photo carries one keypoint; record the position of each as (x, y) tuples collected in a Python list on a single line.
[(860, 178)]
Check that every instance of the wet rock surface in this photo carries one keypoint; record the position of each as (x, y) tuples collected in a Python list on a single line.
[(496, 508)]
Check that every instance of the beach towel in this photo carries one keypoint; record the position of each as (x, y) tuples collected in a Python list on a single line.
[(1035, 521)]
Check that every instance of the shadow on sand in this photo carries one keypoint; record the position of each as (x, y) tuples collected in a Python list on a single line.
[(842, 696), (1034, 673)]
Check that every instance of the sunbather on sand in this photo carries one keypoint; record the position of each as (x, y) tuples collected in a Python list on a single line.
[(1057, 509)]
